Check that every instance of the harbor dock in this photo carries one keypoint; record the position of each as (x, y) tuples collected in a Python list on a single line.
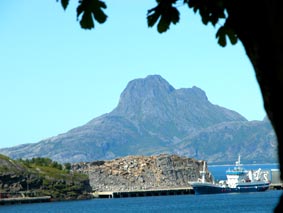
[(276, 183), (20, 200), (160, 192), (144, 193), (276, 186)]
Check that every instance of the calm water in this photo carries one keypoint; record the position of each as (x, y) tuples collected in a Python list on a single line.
[(249, 202), (246, 202)]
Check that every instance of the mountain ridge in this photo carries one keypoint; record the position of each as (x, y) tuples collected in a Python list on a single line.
[(152, 117)]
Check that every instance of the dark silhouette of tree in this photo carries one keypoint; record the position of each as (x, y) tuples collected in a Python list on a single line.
[(258, 24)]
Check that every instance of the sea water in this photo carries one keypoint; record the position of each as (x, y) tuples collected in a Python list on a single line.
[(243, 202)]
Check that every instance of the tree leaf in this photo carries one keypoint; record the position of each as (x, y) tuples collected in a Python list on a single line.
[(224, 31), (233, 38), (64, 3), (90, 10), (165, 13), (163, 24), (80, 9), (97, 11), (152, 18), (204, 16), (231, 35), (86, 21), (222, 40), (221, 35), (175, 15)]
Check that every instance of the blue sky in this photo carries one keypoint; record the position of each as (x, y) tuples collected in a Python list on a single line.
[(56, 76)]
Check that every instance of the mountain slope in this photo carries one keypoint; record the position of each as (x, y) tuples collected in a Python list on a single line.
[(254, 140), (152, 117)]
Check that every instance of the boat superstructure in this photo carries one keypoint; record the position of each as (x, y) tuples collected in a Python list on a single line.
[(238, 180)]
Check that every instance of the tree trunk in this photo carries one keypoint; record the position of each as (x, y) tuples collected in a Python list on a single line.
[(259, 25), (269, 69)]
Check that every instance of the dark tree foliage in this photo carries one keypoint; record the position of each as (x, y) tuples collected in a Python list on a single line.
[(67, 166), (89, 11), (258, 24)]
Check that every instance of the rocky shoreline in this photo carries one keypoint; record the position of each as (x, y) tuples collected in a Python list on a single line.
[(32, 178)]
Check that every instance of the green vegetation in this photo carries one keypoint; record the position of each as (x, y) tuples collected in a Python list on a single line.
[(43, 162), (42, 176), (3, 157)]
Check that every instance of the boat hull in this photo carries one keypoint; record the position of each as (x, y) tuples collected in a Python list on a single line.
[(209, 188)]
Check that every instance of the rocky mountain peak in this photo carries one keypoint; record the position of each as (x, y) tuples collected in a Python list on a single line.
[(152, 101), (143, 88), (192, 95), (143, 95), (150, 84), (152, 118)]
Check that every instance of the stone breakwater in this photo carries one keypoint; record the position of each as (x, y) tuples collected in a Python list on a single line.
[(142, 172)]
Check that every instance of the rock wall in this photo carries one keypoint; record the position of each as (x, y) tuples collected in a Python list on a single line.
[(141, 172), (15, 183)]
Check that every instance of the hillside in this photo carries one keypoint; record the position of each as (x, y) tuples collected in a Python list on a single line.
[(153, 117), (41, 177)]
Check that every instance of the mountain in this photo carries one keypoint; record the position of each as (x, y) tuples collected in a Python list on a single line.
[(153, 117)]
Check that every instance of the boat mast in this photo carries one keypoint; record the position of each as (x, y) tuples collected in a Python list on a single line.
[(202, 173), (238, 162)]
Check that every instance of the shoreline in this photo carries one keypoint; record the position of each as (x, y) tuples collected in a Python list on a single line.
[(23, 200)]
